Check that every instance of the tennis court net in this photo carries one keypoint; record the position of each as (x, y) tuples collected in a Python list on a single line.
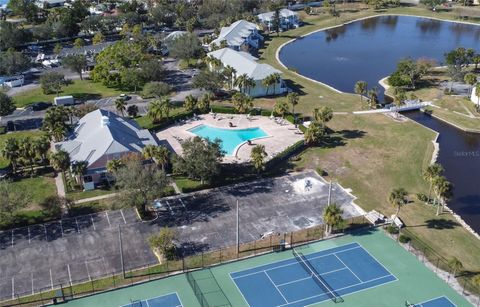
[(317, 277)]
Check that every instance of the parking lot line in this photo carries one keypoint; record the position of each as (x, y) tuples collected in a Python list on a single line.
[(46, 235), (183, 204), (108, 219), (28, 235), (78, 228), (13, 287), (61, 227), (33, 291), (121, 211), (12, 237), (69, 275), (51, 278), (88, 272), (170, 208), (93, 224)]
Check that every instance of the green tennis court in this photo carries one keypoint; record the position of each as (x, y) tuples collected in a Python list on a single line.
[(401, 278)]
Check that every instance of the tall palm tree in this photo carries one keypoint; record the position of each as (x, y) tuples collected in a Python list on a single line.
[(121, 105), (443, 191), (258, 155), (11, 152), (332, 216), (242, 103), (399, 96), (149, 151), (162, 157), (190, 103), (28, 152), (313, 134), (276, 78), (323, 115), (470, 79), (42, 145), (58, 132), (430, 173), (360, 89), (60, 161), (281, 108), (373, 97), (158, 109), (114, 165), (241, 82), (267, 82), (230, 74), (249, 84), (79, 169), (204, 102), (293, 99), (398, 198)]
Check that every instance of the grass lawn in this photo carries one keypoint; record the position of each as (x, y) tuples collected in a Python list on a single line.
[(372, 154), (38, 188), (146, 122), (18, 135), (82, 90), (76, 195)]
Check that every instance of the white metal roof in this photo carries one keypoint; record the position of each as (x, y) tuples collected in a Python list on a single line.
[(236, 33)]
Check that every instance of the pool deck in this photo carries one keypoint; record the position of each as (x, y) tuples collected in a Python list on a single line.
[(280, 136)]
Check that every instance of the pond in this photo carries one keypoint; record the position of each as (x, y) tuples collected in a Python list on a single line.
[(369, 49)]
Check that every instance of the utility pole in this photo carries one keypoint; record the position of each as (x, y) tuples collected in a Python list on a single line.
[(329, 193), (121, 250), (238, 230)]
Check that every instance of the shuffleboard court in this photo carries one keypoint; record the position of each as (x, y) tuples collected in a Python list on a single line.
[(442, 301), (312, 278), (169, 300)]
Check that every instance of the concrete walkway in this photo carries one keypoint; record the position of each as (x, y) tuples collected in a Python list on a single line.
[(60, 185), (86, 200)]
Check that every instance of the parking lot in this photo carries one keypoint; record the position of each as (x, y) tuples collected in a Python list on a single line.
[(73, 250)]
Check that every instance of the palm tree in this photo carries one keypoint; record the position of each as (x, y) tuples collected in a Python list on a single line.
[(121, 105), (11, 152), (190, 103), (470, 79), (323, 115), (276, 78), (79, 169), (373, 97), (313, 134), (241, 82), (332, 217), (42, 145), (432, 171), (360, 89), (249, 84), (399, 96), (230, 74), (28, 152), (149, 151), (293, 99), (204, 102), (114, 165), (281, 108), (257, 155), (162, 156), (443, 191), (60, 161), (158, 109), (242, 103), (456, 265), (477, 93), (398, 198), (267, 82)]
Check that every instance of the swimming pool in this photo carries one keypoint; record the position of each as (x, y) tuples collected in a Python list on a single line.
[(230, 138)]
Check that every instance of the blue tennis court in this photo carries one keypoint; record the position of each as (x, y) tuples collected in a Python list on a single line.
[(169, 300), (329, 274), (441, 301)]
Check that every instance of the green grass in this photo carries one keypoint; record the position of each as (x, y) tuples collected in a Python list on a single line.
[(38, 188), (81, 90), (188, 185), (76, 195), (17, 135)]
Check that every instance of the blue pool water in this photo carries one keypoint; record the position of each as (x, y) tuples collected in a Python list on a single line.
[(230, 138)]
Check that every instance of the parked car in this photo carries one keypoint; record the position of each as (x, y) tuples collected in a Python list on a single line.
[(39, 106), (125, 97)]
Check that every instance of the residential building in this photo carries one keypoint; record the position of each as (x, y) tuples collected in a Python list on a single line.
[(50, 3), (474, 97), (244, 63), (288, 19), (240, 35), (101, 136)]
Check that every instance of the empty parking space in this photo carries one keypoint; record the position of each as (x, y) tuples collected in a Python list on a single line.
[(38, 233), (5, 239), (85, 223), (21, 235), (130, 215), (69, 226), (100, 221), (116, 218), (54, 230)]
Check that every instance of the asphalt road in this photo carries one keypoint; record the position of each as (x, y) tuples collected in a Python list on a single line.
[(78, 249)]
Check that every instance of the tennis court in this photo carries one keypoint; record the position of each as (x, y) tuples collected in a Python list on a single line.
[(169, 300), (441, 301), (312, 278)]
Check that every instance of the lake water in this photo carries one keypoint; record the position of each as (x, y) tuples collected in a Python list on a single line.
[(369, 49)]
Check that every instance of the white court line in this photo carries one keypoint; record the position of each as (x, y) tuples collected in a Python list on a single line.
[(348, 268), (276, 287), (108, 219), (13, 287), (381, 264), (183, 204), (69, 275), (434, 299), (121, 211), (51, 278), (310, 276), (78, 228), (93, 224), (284, 265), (148, 305)]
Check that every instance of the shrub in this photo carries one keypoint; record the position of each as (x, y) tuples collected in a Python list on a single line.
[(404, 239), (422, 197), (156, 89), (391, 229)]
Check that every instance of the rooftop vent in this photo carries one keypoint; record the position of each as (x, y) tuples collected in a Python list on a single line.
[(105, 121)]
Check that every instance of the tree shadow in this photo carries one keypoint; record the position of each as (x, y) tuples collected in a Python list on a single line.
[(338, 138), (294, 86), (441, 224), (86, 96)]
